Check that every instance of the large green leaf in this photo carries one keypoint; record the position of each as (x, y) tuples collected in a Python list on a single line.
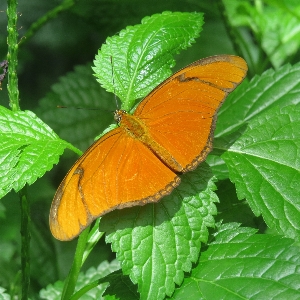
[(29, 148), (240, 264), (133, 63), (272, 88), (265, 167), (247, 102)]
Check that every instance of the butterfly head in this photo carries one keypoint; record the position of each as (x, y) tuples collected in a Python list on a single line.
[(118, 115)]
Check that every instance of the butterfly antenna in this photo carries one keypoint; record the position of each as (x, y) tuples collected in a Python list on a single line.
[(85, 108), (113, 80)]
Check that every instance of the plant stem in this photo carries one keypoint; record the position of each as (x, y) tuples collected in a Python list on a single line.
[(71, 280), (93, 238), (13, 93), (25, 238), (12, 55), (74, 149)]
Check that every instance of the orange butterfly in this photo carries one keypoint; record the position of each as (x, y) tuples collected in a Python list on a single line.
[(170, 132)]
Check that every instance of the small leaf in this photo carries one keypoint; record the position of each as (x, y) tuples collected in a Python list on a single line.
[(240, 264), (133, 63), (265, 167), (156, 243), (29, 148)]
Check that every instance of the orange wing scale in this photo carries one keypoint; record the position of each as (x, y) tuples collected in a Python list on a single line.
[(171, 131)]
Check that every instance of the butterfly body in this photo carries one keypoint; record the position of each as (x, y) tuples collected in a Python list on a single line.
[(170, 132), (135, 127)]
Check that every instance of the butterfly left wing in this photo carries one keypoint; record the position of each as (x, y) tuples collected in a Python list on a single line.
[(181, 113), (117, 171)]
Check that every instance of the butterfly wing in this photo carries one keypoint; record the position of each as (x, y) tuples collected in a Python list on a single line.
[(180, 113), (115, 172)]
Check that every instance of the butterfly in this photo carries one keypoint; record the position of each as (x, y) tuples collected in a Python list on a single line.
[(139, 162)]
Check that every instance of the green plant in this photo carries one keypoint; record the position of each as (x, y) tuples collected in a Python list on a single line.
[(189, 244)]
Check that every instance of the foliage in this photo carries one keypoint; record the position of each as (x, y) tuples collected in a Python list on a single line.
[(88, 285), (174, 248)]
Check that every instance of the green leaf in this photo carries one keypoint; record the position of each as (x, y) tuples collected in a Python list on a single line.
[(276, 27), (240, 264), (141, 56), (3, 295), (120, 287), (218, 165), (289, 6), (54, 291), (29, 148), (156, 243), (280, 34), (230, 209), (272, 88), (78, 89), (248, 101), (265, 167)]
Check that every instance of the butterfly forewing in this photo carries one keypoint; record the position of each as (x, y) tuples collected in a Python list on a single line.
[(181, 113)]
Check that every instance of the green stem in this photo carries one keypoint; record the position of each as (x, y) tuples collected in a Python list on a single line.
[(66, 4), (74, 149), (86, 242), (25, 238), (13, 93), (85, 289), (12, 55), (94, 236), (71, 280)]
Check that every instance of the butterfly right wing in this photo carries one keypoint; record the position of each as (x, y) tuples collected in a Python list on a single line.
[(180, 114), (117, 171)]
